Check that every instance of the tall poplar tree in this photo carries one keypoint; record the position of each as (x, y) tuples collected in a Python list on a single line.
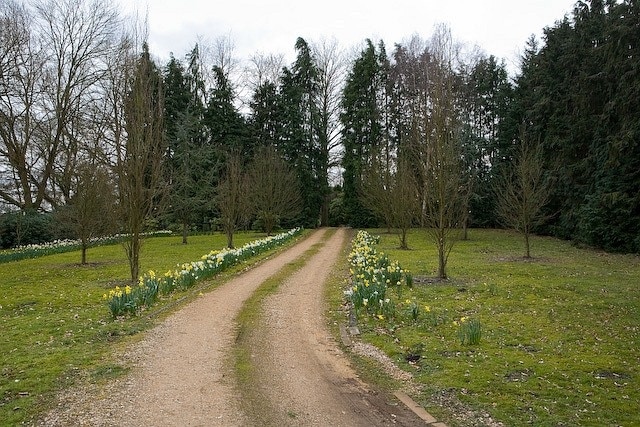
[(140, 160)]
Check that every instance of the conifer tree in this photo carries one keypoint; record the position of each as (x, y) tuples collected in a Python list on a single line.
[(362, 128)]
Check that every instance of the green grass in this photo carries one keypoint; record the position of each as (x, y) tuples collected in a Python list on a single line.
[(560, 333), (56, 327)]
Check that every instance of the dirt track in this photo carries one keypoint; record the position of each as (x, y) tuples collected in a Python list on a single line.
[(182, 374)]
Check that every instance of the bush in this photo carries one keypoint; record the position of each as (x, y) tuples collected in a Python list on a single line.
[(25, 228)]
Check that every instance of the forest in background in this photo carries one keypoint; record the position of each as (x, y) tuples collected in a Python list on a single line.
[(426, 133)]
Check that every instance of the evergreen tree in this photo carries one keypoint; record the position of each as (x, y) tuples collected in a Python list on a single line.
[(190, 156), (266, 115), (362, 128), (298, 142), (229, 142), (226, 126), (485, 100)]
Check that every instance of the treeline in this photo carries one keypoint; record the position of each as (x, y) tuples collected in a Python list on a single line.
[(575, 101), (579, 94), (428, 134)]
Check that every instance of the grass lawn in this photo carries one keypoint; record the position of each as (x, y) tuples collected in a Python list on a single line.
[(56, 326), (560, 333)]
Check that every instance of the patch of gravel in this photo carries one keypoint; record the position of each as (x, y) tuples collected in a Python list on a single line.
[(390, 368)]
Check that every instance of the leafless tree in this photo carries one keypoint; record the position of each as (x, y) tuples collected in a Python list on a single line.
[(263, 68), (435, 142), (523, 191), (220, 52), (376, 189), (332, 67), (54, 62), (391, 191), (406, 203), (218, 55), (21, 67), (232, 197), (90, 212), (274, 189)]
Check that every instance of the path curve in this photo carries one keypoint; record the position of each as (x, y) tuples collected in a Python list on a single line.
[(181, 373)]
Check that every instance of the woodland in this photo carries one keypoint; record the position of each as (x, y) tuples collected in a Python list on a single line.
[(98, 137)]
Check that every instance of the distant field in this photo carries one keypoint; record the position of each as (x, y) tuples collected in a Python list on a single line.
[(560, 333), (55, 324)]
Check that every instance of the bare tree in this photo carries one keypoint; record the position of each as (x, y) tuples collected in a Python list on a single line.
[(220, 52), (523, 191), (391, 191), (21, 68), (437, 145), (406, 203), (90, 211), (232, 197), (263, 68), (217, 56), (55, 59), (332, 68), (375, 190), (274, 189)]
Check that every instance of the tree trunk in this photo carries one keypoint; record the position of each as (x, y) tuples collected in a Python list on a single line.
[(442, 259), (403, 239), (324, 213), (184, 233), (134, 256), (229, 239), (465, 230)]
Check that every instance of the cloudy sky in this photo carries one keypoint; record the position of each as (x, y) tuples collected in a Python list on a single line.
[(499, 27)]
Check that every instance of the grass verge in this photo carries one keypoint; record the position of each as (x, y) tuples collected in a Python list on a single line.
[(560, 341)]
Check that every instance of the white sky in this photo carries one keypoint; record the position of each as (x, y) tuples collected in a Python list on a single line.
[(499, 27)]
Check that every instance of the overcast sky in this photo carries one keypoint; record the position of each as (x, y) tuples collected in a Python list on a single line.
[(499, 27)]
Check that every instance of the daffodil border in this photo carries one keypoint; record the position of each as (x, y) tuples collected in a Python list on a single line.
[(130, 300), (65, 245), (371, 273)]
